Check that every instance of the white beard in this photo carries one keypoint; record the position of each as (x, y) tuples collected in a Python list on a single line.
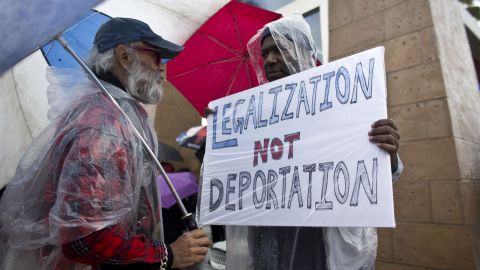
[(144, 83)]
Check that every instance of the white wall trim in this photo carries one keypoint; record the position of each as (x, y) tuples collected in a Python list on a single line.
[(304, 6)]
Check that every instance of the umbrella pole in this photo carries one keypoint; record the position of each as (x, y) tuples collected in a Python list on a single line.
[(188, 218)]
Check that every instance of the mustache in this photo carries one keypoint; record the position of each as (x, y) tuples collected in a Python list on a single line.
[(144, 83)]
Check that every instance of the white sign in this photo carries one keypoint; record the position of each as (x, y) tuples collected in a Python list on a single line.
[(296, 151)]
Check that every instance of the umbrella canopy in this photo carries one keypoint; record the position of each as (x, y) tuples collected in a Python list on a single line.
[(215, 60), (185, 184), (79, 37), (24, 105), (27, 24)]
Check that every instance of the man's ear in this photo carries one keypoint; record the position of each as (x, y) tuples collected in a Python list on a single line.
[(123, 58)]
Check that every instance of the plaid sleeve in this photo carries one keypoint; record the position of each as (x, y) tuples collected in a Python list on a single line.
[(114, 245)]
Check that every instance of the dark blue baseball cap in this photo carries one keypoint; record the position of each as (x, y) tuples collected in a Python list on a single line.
[(118, 31)]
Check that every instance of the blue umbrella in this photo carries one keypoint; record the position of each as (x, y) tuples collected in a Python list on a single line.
[(79, 37), (26, 25)]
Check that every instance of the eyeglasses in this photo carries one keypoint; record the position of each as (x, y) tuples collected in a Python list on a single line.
[(158, 53)]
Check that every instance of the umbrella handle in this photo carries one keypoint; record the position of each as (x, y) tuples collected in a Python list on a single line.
[(187, 217), (190, 221)]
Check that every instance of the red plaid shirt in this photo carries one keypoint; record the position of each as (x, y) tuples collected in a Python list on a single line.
[(93, 163), (115, 246)]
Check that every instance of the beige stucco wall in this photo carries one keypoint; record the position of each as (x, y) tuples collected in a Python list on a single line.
[(433, 97), (174, 114)]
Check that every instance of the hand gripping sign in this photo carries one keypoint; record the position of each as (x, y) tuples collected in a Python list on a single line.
[(295, 152)]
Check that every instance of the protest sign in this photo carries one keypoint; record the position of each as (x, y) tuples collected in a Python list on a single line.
[(296, 151)]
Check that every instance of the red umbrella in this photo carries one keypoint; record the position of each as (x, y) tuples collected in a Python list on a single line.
[(215, 60)]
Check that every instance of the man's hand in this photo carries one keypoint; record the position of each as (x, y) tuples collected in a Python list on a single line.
[(190, 248), (208, 111), (385, 134)]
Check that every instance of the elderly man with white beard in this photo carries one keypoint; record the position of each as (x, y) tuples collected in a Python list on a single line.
[(84, 195)]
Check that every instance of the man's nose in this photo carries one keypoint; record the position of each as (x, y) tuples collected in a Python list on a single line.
[(271, 58)]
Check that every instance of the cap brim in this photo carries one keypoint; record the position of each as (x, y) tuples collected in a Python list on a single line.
[(169, 49)]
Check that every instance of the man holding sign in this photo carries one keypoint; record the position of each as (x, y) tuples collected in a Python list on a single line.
[(286, 47)]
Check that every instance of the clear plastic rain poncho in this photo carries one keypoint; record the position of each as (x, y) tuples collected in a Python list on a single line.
[(86, 171), (302, 248)]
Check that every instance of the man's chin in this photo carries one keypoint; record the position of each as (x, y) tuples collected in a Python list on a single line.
[(147, 97), (273, 76)]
